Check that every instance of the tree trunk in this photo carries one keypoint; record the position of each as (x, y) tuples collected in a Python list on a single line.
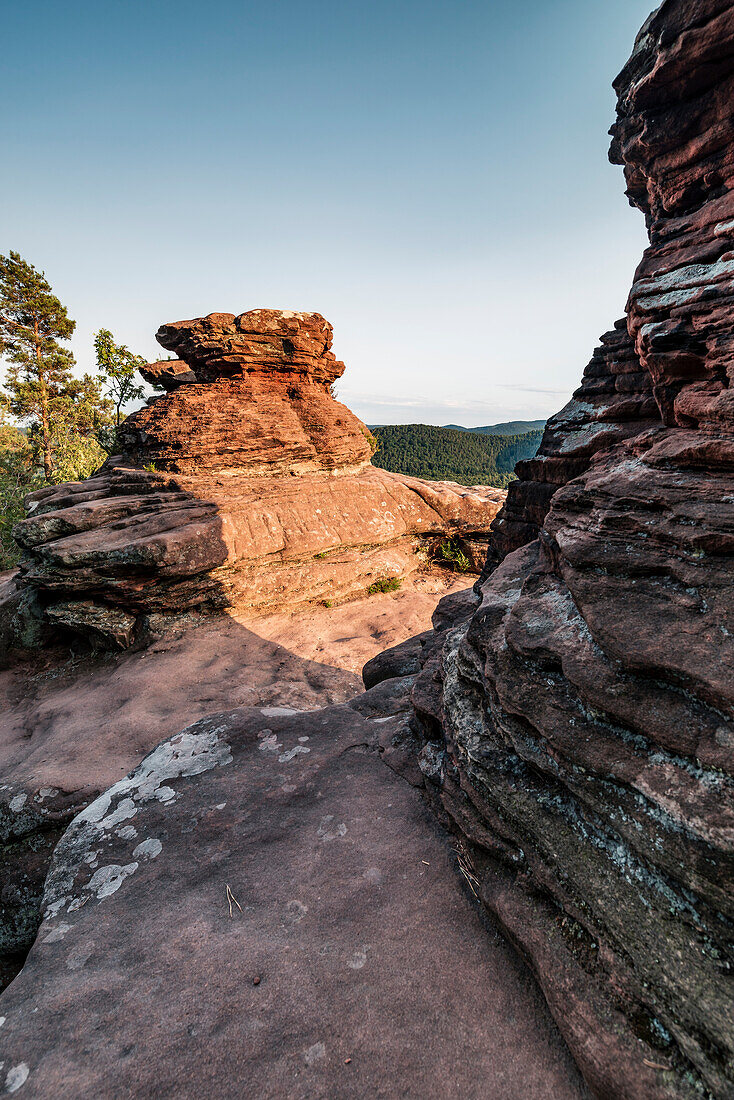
[(48, 466)]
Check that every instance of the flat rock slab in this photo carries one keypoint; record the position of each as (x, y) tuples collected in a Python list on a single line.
[(265, 909)]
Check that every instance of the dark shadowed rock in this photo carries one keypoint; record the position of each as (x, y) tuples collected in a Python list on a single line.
[(580, 729), (401, 660)]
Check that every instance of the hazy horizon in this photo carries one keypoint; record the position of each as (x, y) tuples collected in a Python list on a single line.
[(431, 178)]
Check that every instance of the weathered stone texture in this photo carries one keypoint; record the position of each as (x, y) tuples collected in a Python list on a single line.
[(258, 400), (246, 485), (584, 719), (264, 908)]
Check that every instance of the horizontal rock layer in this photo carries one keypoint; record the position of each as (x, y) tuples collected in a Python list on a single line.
[(104, 553), (249, 394), (613, 403), (247, 485), (582, 724)]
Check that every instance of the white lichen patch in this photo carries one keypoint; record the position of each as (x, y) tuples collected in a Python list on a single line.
[(17, 803), (358, 959), (285, 757), (192, 752), (57, 933), (270, 743), (107, 880), (125, 810), (148, 849), (314, 1054), (16, 1077), (327, 831)]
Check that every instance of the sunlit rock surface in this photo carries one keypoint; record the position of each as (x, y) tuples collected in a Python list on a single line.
[(246, 485)]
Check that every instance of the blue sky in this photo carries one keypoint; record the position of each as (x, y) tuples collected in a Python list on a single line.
[(432, 177)]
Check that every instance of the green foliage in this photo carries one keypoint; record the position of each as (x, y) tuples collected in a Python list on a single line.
[(448, 551), (509, 427), (385, 584), (374, 445), (447, 454), (61, 421), (65, 416), (118, 367), (150, 467), (18, 476), (327, 603)]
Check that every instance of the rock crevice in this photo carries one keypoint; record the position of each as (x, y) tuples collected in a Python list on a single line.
[(584, 718)]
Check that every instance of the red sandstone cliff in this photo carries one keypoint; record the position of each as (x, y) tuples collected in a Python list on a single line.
[(581, 727)]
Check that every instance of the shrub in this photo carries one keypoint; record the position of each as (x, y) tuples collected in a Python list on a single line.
[(374, 445), (449, 552), (385, 584)]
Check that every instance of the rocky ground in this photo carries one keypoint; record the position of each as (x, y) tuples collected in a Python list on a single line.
[(78, 721), (584, 718), (72, 723), (265, 905)]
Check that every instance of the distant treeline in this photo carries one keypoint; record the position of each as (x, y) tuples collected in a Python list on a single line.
[(449, 454), (509, 427)]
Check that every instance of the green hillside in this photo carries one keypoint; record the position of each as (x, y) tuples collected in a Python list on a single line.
[(451, 454), (510, 427)]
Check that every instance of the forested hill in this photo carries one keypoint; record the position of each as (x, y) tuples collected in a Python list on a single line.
[(449, 454), (510, 427)]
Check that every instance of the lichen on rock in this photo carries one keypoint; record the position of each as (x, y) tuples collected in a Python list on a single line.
[(587, 709)]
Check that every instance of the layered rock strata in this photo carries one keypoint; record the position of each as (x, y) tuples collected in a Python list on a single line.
[(613, 403), (582, 723), (247, 484), (259, 402)]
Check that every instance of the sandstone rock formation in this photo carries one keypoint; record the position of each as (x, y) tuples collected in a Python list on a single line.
[(71, 725), (247, 484), (582, 724), (259, 402), (265, 908)]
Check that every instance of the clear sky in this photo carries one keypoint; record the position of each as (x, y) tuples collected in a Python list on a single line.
[(431, 176)]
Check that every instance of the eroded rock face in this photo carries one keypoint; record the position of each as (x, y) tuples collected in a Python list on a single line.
[(256, 399), (613, 403), (583, 722), (246, 485)]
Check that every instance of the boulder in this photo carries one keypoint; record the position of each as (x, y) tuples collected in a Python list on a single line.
[(581, 724), (168, 374), (249, 487), (265, 908)]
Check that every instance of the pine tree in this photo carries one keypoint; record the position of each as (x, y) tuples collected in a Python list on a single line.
[(32, 323), (118, 365)]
